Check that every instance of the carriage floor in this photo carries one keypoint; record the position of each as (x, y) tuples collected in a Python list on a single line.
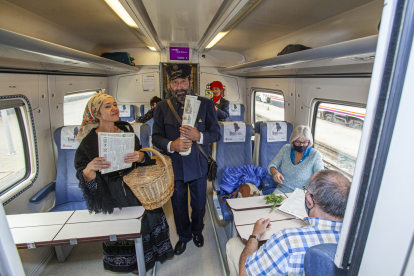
[(86, 259)]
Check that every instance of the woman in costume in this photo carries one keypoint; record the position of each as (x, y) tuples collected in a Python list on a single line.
[(222, 105), (296, 162), (104, 192)]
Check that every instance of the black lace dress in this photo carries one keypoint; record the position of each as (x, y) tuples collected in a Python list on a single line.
[(107, 192)]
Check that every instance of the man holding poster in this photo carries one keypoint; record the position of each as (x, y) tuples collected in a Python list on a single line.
[(190, 171)]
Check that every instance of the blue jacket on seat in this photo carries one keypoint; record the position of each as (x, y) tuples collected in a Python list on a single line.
[(233, 177)]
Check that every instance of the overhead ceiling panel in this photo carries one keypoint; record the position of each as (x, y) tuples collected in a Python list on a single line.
[(93, 20), (181, 20), (272, 19)]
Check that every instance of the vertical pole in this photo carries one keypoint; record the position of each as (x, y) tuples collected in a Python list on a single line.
[(10, 263), (7, 131), (139, 249)]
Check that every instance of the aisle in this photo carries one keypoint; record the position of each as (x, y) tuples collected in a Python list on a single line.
[(86, 259)]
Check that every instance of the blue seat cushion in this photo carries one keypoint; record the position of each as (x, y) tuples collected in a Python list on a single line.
[(70, 206)]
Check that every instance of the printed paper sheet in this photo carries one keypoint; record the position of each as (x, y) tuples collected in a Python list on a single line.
[(191, 107), (234, 132), (68, 137), (114, 147), (276, 132), (295, 204)]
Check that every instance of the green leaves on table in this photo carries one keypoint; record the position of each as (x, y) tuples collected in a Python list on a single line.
[(275, 199)]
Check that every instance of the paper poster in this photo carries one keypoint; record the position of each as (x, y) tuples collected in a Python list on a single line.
[(235, 110), (209, 94), (68, 137), (148, 83), (234, 132), (124, 110), (276, 132)]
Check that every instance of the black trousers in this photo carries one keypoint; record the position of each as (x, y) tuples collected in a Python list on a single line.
[(198, 193)]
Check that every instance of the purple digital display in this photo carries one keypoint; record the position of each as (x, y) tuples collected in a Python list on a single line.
[(179, 53)]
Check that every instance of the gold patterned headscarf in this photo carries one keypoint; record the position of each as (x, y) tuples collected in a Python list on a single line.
[(89, 120)]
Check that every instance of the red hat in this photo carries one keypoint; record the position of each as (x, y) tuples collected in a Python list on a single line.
[(217, 84)]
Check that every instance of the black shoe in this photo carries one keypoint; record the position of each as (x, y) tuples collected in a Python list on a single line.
[(180, 248), (198, 240)]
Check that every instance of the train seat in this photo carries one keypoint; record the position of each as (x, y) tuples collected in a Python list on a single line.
[(131, 116), (230, 154), (255, 142), (319, 260), (150, 123), (144, 109), (236, 113), (68, 194), (142, 131), (267, 151)]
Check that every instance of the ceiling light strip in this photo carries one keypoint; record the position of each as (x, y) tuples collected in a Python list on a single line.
[(121, 12), (219, 36)]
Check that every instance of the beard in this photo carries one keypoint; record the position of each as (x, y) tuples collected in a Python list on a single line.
[(181, 93)]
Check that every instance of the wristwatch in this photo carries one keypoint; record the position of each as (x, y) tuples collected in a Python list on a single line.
[(254, 237)]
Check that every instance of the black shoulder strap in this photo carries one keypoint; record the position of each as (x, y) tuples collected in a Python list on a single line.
[(174, 111), (179, 120)]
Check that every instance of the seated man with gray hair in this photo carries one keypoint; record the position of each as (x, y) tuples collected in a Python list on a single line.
[(326, 196), (296, 162)]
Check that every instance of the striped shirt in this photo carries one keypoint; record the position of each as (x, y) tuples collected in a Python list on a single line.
[(284, 252)]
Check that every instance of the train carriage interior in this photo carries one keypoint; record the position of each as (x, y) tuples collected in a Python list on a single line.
[(350, 85)]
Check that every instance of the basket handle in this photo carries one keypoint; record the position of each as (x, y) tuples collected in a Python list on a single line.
[(157, 153)]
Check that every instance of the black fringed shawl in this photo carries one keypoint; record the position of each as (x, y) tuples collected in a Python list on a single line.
[(111, 192)]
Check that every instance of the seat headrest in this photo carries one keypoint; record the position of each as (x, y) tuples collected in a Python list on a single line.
[(65, 137)]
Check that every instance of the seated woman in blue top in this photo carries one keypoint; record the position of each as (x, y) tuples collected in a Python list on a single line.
[(296, 162)]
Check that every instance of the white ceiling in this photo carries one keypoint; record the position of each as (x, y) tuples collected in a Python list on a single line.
[(93, 20), (178, 21), (181, 20)]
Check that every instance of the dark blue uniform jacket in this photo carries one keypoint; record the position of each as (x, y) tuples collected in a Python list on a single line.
[(166, 128)]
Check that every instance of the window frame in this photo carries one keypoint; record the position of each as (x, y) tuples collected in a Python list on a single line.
[(255, 90), (74, 93), (25, 119), (314, 115)]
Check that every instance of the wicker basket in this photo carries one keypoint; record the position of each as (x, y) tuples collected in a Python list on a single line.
[(152, 185)]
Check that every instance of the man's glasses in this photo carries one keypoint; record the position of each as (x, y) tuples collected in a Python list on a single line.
[(305, 190), (299, 143)]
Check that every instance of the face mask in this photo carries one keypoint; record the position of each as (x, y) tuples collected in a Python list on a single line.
[(306, 207), (300, 148)]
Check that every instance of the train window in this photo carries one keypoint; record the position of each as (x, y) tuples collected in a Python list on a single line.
[(14, 161), (269, 106), (337, 133), (74, 106)]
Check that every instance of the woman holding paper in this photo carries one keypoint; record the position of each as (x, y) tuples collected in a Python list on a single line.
[(104, 192), (221, 104), (296, 162)]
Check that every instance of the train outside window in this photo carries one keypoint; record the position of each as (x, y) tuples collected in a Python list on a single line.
[(269, 106), (12, 150), (74, 106), (337, 134)]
